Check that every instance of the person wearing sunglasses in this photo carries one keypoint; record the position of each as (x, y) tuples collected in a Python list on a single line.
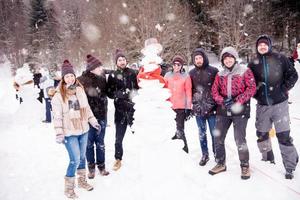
[(180, 86)]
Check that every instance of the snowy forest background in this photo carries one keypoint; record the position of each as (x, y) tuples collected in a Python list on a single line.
[(44, 32)]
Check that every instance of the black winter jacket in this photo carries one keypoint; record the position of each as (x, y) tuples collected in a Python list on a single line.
[(275, 75), (202, 81), (96, 90), (121, 85)]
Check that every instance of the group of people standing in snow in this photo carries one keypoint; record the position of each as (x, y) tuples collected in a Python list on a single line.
[(220, 98)]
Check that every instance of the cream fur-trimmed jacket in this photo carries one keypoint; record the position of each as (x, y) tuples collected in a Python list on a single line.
[(63, 115)]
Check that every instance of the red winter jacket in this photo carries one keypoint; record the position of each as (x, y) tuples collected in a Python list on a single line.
[(239, 84), (180, 86)]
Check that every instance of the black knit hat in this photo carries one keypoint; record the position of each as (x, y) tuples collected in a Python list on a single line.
[(92, 63), (263, 40), (119, 53), (67, 68)]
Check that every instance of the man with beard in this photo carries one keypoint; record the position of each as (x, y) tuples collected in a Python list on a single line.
[(204, 107), (121, 84), (94, 82), (275, 75)]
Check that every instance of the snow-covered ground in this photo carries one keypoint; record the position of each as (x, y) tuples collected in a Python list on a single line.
[(33, 165)]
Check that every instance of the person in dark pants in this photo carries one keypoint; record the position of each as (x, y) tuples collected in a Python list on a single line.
[(180, 86), (45, 84), (121, 85), (275, 75), (232, 90), (94, 82), (36, 79), (204, 107)]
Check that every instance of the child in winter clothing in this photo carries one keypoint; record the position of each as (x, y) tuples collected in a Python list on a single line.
[(94, 82), (180, 86), (275, 75), (204, 107), (72, 115), (232, 89), (121, 83)]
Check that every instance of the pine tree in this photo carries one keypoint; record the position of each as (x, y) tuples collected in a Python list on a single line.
[(54, 49), (37, 33)]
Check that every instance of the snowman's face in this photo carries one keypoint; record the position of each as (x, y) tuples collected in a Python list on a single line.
[(69, 79)]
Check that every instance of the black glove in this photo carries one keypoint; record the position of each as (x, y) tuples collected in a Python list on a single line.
[(228, 102), (188, 114)]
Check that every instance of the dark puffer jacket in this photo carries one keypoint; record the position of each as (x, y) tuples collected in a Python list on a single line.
[(238, 84), (274, 75), (95, 88), (121, 84), (202, 81)]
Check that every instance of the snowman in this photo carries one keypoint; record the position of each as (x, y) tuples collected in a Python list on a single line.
[(157, 153), (30, 110)]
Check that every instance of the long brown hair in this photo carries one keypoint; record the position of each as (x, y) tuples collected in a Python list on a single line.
[(63, 90)]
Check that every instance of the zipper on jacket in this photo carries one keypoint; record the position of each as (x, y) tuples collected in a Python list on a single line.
[(229, 90), (266, 73)]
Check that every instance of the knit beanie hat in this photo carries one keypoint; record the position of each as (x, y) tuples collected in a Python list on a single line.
[(263, 40), (92, 63), (229, 52), (178, 58), (119, 53), (67, 68)]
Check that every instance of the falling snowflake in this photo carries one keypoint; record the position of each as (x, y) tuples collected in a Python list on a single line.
[(159, 27), (216, 133), (124, 5), (124, 19), (119, 76), (170, 16), (91, 32), (237, 108), (132, 28), (246, 34), (24, 51), (248, 8)]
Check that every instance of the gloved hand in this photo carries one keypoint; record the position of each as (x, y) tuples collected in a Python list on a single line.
[(98, 127), (228, 102), (60, 138)]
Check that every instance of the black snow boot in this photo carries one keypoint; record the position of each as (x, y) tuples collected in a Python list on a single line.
[(204, 160), (289, 174)]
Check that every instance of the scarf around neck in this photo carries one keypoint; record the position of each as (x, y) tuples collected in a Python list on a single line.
[(78, 105)]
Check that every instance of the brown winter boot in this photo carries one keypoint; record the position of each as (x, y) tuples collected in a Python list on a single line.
[(117, 165), (245, 172), (217, 169), (102, 170), (82, 183), (91, 167), (69, 187)]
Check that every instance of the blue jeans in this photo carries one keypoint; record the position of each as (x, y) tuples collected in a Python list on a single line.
[(76, 147), (201, 122), (96, 137), (48, 109)]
